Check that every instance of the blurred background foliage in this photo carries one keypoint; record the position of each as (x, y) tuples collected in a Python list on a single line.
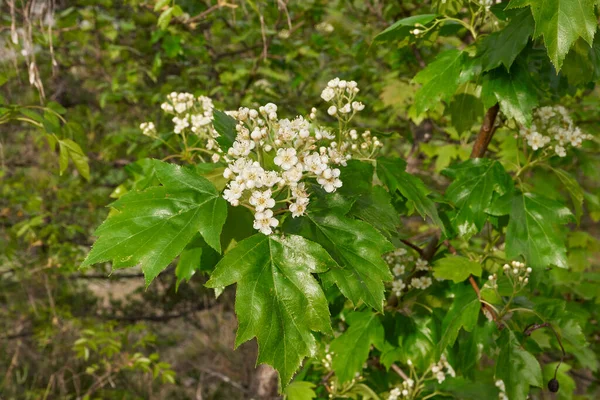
[(76, 79)]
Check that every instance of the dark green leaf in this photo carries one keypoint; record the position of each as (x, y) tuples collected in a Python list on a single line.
[(474, 183), (391, 171), (561, 23), (463, 313), (152, 227), (351, 348), (278, 300), (516, 367), (376, 209), (225, 127)]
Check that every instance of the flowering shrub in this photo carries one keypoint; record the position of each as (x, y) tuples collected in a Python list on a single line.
[(316, 219)]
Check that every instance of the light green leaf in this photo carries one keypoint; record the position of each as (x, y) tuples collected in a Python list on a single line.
[(456, 268), (463, 313), (561, 23), (165, 18), (474, 183), (532, 231), (503, 47), (300, 390), (567, 384), (574, 189), (351, 348), (70, 149), (152, 227), (392, 172), (516, 367), (357, 247), (514, 91), (401, 29), (278, 300), (439, 80)]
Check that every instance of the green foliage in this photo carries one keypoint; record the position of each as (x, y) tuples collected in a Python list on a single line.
[(456, 268), (516, 367), (152, 227), (278, 301)]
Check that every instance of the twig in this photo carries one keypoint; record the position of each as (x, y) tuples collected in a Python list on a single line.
[(399, 371), (486, 132), (413, 246)]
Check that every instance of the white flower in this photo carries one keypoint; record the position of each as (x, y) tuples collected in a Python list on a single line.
[(333, 83), (560, 151), (421, 283), (345, 109), (537, 140), (297, 209), (332, 110), (316, 163), (270, 108), (293, 175), (358, 106), (399, 269), (181, 123), (264, 222), (422, 265), (328, 94), (233, 193), (215, 158), (271, 178), (329, 180), (148, 129), (394, 394), (262, 200), (252, 176), (398, 286), (286, 158)]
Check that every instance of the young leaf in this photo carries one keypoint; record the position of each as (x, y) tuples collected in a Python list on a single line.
[(463, 313), (561, 23), (401, 29), (516, 367), (475, 182), (391, 171), (300, 390), (514, 91), (503, 47), (70, 149), (152, 227), (532, 231), (439, 80), (357, 247), (351, 348), (455, 268), (225, 127), (574, 189), (278, 300)]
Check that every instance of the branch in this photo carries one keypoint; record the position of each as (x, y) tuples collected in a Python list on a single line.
[(488, 128)]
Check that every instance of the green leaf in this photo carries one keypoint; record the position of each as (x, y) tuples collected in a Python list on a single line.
[(516, 367), (357, 247), (189, 260), (165, 18), (567, 384), (70, 149), (278, 300), (160, 4), (351, 348), (225, 127), (152, 227), (456, 268), (532, 231), (474, 183), (463, 313), (401, 29), (300, 390), (574, 189), (464, 111), (582, 63), (514, 91), (376, 209), (503, 47), (439, 80), (392, 172), (561, 23)]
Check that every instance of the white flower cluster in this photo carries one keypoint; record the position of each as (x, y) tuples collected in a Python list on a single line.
[(327, 359), (273, 162), (438, 370), (401, 263), (553, 127), (403, 392), (148, 129), (516, 272), (190, 113), (500, 385)]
